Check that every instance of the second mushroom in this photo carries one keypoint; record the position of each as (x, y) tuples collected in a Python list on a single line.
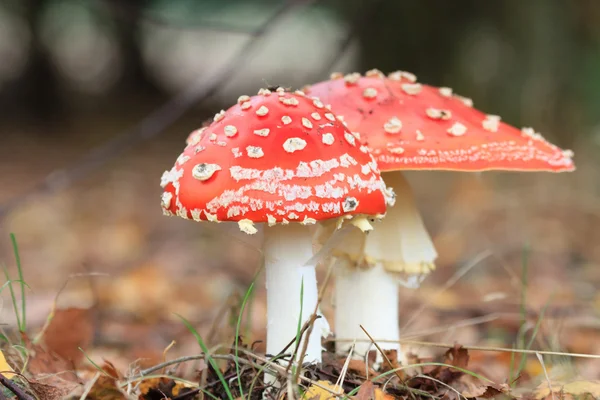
[(411, 126)]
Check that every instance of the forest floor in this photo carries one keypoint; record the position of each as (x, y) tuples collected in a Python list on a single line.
[(107, 277)]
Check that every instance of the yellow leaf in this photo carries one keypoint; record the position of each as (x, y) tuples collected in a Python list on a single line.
[(319, 393), (575, 388), (4, 367)]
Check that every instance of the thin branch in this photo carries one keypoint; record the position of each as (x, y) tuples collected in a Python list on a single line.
[(156, 122), (16, 389)]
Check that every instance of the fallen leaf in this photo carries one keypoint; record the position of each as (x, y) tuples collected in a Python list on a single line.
[(106, 388), (576, 389), (68, 330), (457, 356), (318, 393), (366, 391), (50, 392), (480, 391), (159, 388), (49, 367), (5, 368), (381, 395)]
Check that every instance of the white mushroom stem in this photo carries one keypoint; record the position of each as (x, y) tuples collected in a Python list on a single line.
[(367, 297), (286, 249), (398, 250)]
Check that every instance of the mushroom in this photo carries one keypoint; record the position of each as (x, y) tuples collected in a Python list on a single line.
[(276, 159), (411, 126)]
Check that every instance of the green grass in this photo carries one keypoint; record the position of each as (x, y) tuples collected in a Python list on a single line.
[(210, 360), (237, 335)]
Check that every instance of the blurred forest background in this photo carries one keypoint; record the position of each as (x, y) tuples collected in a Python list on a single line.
[(97, 97)]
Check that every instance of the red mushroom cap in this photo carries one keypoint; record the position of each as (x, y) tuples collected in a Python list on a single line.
[(408, 125), (277, 157)]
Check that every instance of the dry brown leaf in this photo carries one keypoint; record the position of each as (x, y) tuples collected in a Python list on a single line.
[(318, 393), (69, 329), (457, 356), (576, 389), (48, 367), (381, 395), (366, 391), (479, 391), (159, 388), (51, 392), (106, 388)]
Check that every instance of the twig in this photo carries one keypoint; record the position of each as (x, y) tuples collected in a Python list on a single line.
[(314, 317), (13, 387), (156, 122), (385, 357), (89, 386), (491, 348)]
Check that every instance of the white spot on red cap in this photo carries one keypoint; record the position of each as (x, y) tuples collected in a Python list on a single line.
[(350, 138), (352, 78), (412, 88), (330, 117), (370, 93), (317, 103), (230, 130), (436, 113), (336, 75), (491, 123), (236, 152), (420, 136), (328, 139), (219, 116), (165, 200), (264, 92), (294, 144), (393, 125), (316, 116), (254, 151), (457, 129), (466, 101), (374, 73), (396, 149), (306, 123), (243, 98), (350, 204), (286, 119), (289, 101), (445, 91), (399, 75), (205, 171), (262, 132), (262, 111), (246, 105)]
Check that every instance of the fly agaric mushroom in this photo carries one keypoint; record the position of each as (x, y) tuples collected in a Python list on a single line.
[(282, 159), (411, 126)]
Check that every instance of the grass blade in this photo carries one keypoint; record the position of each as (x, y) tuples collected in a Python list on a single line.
[(211, 360), (23, 326), (13, 297), (237, 335)]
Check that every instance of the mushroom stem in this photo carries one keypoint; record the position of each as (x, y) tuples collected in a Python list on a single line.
[(397, 251), (401, 241), (367, 297), (286, 250)]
